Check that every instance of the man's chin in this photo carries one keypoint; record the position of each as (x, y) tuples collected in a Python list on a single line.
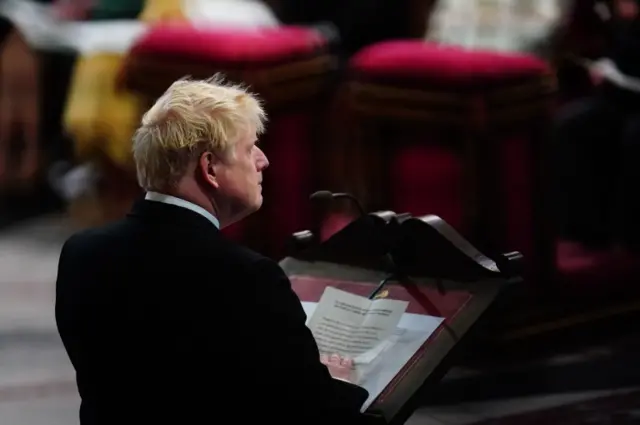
[(257, 204)]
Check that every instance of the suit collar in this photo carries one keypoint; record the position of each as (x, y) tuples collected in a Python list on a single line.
[(170, 215), (179, 202)]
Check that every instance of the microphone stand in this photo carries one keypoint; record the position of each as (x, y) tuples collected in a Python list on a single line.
[(393, 274)]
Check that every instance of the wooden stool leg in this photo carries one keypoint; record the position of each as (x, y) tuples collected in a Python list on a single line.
[(10, 64), (21, 88), (6, 124), (30, 122)]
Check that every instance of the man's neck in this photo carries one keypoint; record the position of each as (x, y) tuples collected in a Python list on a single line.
[(190, 191)]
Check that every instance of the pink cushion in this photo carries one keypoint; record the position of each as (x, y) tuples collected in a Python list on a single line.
[(237, 46), (419, 60)]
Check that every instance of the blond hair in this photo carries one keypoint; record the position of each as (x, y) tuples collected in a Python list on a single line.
[(190, 118)]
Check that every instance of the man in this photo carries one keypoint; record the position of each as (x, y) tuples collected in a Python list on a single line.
[(166, 321), (598, 146)]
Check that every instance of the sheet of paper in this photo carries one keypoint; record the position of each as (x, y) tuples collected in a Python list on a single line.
[(412, 331), (352, 325)]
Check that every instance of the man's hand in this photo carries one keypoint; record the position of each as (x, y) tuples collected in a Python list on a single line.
[(339, 367)]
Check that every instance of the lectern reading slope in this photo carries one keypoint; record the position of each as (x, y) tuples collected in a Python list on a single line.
[(449, 278)]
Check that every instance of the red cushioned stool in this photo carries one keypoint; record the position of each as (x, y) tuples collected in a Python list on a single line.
[(288, 67), (523, 213), (439, 130)]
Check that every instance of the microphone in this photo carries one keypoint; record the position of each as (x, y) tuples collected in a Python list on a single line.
[(394, 273), (325, 195)]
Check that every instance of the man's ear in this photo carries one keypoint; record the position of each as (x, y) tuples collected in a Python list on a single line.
[(207, 168)]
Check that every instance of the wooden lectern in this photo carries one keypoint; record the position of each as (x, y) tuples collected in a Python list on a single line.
[(421, 260)]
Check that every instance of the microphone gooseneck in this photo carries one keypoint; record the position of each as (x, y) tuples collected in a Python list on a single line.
[(321, 195), (325, 195), (394, 274)]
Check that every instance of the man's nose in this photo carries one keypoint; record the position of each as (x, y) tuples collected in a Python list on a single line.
[(262, 160)]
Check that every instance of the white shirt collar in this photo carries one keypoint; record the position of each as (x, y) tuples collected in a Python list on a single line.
[(172, 200)]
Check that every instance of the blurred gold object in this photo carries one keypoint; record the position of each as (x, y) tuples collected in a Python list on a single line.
[(98, 116), (162, 10)]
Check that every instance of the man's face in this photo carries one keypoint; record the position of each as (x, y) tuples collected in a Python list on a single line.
[(239, 180)]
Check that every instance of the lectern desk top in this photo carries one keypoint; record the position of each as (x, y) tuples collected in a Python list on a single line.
[(461, 298)]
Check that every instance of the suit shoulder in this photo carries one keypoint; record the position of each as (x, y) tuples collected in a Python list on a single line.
[(244, 256), (92, 238)]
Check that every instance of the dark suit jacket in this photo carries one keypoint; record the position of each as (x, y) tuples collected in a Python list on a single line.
[(166, 321)]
